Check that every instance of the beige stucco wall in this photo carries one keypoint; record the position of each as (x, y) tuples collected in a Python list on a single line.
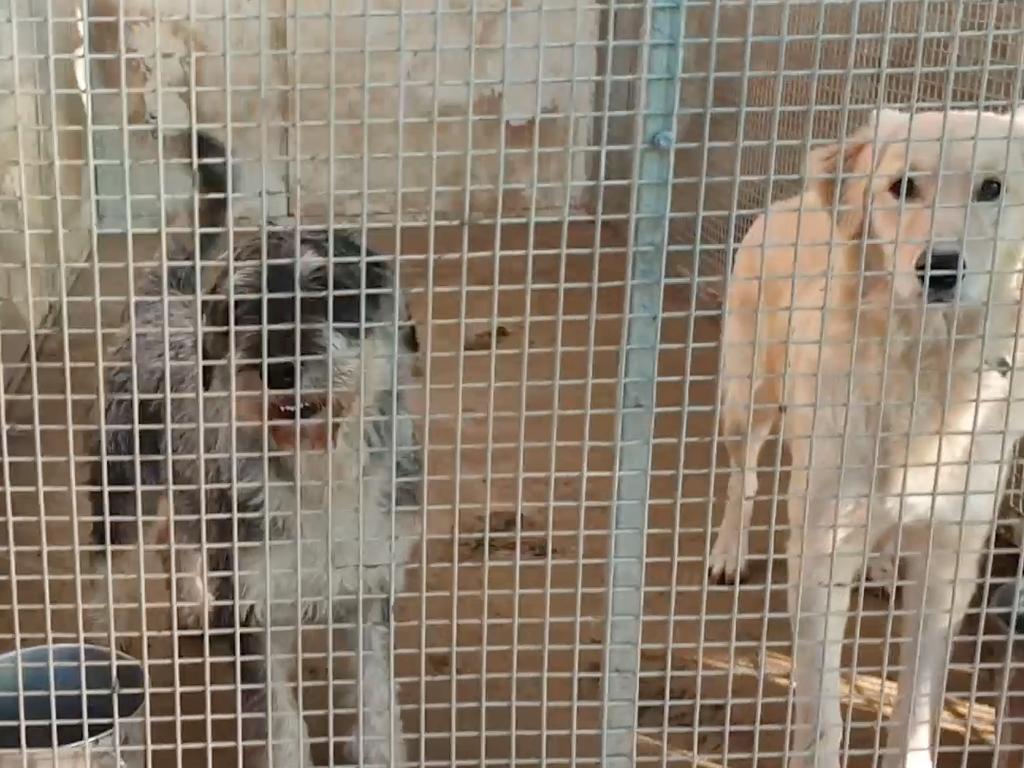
[(469, 86), (40, 169), (452, 133)]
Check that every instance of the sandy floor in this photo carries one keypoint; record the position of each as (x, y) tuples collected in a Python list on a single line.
[(500, 639)]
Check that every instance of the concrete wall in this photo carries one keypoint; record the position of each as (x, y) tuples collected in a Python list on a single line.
[(43, 216), (457, 115)]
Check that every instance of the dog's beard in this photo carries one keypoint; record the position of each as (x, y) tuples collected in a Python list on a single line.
[(318, 474)]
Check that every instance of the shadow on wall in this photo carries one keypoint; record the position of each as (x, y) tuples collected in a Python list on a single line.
[(44, 211)]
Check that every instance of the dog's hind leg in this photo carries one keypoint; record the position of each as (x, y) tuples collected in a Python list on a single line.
[(747, 420), (942, 571)]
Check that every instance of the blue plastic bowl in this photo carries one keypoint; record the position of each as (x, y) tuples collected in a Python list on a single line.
[(76, 707)]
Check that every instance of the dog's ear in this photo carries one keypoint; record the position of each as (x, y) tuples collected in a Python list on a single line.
[(829, 167)]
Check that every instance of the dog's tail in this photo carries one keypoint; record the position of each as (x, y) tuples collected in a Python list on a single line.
[(213, 171)]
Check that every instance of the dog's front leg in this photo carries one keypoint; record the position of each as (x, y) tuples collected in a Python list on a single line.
[(115, 599), (113, 603), (380, 743), (942, 571), (184, 557), (191, 591), (822, 560), (266, 676)]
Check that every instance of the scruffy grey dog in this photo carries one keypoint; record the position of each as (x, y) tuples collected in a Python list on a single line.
[(304, 476)]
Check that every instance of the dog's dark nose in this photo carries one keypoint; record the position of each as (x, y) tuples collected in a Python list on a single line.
[(939, 272)]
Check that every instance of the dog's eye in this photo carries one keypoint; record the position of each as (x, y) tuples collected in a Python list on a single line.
[(988, 190), (905, 188)]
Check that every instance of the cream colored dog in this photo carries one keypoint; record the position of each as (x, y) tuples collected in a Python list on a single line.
[(885, 333)]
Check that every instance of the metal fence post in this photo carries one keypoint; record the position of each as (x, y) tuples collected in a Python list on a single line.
[(660, 98)]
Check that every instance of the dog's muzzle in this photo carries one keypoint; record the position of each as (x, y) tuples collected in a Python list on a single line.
[(939, 273)]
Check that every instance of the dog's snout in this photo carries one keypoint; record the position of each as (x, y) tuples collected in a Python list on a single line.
[(939, 272)]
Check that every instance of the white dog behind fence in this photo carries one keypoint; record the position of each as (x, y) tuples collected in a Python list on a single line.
[(885, 334)]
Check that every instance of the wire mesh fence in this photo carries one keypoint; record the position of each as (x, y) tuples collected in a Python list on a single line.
[(763, 81), (363, 376)]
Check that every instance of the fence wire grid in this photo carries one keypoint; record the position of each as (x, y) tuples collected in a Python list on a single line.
[(508, 427)]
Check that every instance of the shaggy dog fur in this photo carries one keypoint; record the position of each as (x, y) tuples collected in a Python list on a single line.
[(885, 334), (263, 421)]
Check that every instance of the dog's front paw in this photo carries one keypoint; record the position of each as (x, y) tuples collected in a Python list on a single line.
[(728, 559), (125, 636), (377, 752), (193, 601), (919, 758), (821, 750), (258, 757), (290, 750), (882, 571)]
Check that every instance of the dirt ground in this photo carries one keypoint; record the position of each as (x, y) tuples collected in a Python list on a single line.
[(499, 646)]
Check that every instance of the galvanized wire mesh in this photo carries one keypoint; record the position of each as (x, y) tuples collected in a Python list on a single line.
[(762, 79), (560, 184)]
